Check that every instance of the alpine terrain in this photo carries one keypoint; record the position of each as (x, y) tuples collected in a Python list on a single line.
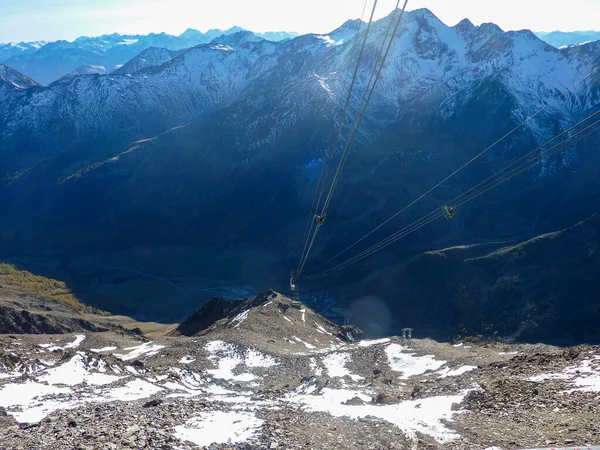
[(270, 373), (189, 172), (49, 61)]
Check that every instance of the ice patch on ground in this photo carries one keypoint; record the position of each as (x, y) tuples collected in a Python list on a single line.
[(147, 348), (423, 415), (401, 361), (219, 427)]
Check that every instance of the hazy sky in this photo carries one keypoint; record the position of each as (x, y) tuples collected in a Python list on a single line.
[(27, 20)]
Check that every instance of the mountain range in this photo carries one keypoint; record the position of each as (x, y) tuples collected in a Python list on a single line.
[(203, 162), (565, 38), (46, 62)]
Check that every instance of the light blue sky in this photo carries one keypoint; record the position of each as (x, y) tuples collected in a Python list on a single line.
[(27, 20)]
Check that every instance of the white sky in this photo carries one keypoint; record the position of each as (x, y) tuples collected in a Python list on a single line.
[(27, 20)]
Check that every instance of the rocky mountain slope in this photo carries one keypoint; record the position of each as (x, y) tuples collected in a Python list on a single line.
[(12, 81), (227, 389), (214, 155)]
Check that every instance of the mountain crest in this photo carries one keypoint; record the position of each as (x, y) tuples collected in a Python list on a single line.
[(465, 26), (239, 37), (15, 79), (151, 57)]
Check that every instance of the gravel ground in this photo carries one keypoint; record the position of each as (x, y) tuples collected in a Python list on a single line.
[(279, 376)]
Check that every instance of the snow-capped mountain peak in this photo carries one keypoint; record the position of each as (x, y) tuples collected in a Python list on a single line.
[(239, 37), (151, 57), (12, 78)]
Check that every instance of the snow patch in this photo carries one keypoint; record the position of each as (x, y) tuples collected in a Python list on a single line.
[(134, 390), (369, 343), (320, 329), (186, 360), (32, 401), (445, 373), (401, 361), (219, 427), (314, 368), (306, 344), (584, 377), (104, 349), (74, 372), (257, 359), (336, 366), (79, 338), (240, 318), (423, 415), (24, 401), (128, 42), (148, 349), (227, 359)]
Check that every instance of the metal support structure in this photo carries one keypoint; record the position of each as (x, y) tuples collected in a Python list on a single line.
[(407, 333)]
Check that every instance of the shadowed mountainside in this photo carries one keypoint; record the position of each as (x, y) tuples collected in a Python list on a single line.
[(543, 289)]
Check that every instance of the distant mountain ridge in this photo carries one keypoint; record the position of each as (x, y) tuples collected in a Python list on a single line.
[(46, 62), (565, 38)]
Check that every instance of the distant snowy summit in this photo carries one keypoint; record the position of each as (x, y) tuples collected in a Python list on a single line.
[(560, 39)]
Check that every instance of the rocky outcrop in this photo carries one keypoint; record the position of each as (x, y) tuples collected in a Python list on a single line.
[(21, 321), (216, 309)]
